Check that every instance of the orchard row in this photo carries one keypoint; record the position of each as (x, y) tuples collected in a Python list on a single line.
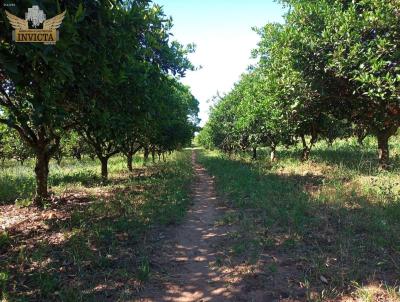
[(330, 71), (111, 83)]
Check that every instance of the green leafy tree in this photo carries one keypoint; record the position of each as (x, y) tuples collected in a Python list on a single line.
[(33, 98), (75, 145), (204, 137), (300, 110), (347, 51), (98, 72), (14, 147), (126, 92), (222, 121)]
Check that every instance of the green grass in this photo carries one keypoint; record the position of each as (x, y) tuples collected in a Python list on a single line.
[(18, 183), (103, 230), (336, 216)]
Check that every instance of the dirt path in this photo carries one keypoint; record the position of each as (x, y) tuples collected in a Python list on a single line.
[(186, 261)]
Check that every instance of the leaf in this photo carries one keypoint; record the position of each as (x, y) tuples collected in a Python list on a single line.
[(80, 13), (9, 64)]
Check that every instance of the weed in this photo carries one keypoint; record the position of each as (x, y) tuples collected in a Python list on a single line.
[(47, 283), (23, 202), (4, 240), (143, 272), (67, 294)]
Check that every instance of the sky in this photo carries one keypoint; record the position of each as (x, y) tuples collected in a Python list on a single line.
[(221, 30)]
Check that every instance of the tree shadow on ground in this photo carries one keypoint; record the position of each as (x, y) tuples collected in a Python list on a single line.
[(86, 178), (19, 186), (76, 251), (86, 247), (312, 246), (357, 159)]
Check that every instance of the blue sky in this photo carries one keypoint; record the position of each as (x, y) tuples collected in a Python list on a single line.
[(221, 29)]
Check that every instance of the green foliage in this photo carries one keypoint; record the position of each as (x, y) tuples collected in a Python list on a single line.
[(47, 283), (330, 68), (4, 240), (144, 270), (112, 78), (12, 146), (4, 276), (204, 137)]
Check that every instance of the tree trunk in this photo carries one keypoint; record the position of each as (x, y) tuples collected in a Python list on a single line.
[(42, 174), (153, 155), (307, 148), (361, 134), (129, 159), (254, 153), (77, 154), (273, 154), (306, 153), (146, 154), (383, 150), (104, 168)]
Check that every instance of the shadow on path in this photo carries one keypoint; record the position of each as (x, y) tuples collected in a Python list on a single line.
[(187, 261)]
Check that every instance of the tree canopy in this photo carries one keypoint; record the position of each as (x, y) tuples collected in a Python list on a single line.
[(113, 78), (330, 68)]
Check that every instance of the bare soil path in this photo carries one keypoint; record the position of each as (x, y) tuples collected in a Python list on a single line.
[(187, 260)]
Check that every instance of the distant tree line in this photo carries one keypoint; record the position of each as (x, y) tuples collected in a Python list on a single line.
[(330, 71), (110, 85)]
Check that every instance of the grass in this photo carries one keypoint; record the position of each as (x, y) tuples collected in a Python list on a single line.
[(331, 225), (336, 218), (17, 182), (91, 242)]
